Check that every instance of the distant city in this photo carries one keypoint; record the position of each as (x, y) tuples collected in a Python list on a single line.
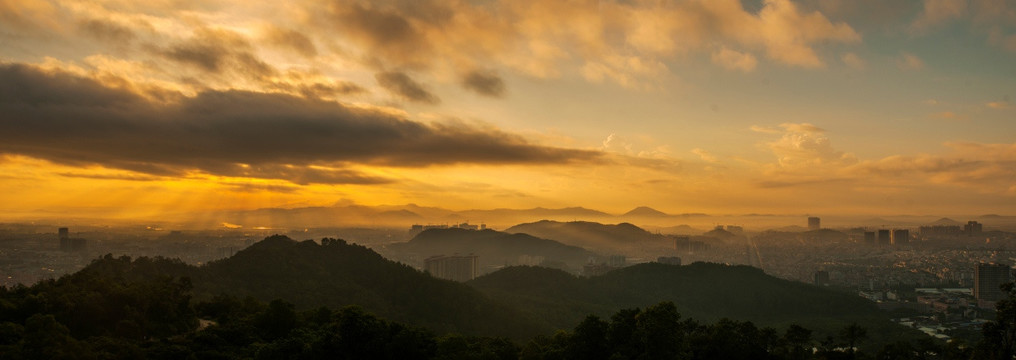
[(944, 276)]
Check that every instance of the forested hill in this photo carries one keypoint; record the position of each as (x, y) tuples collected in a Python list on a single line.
[(337, 274), (704, 291), (590, 235), (119, 308)]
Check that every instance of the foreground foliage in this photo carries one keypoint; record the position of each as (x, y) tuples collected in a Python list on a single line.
[(118, 308)]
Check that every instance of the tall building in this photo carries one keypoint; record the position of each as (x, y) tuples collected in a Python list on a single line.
[(884, 238), (814, 223), (682, 243), (455, 267), (869, 238), (65, 238), (821, 278), (901, 237), (972, 228), (988, 278)]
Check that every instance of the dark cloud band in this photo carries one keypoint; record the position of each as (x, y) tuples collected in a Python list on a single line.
[(76, 120)]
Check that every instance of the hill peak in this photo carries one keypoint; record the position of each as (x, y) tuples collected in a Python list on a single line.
[(645, 211), (946, 221)]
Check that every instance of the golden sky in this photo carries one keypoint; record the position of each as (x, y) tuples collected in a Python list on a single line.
[(132, 109)]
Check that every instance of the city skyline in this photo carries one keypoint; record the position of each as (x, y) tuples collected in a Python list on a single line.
[(123, 110)]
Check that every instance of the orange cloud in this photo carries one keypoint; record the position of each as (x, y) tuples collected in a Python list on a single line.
[(734, 60)]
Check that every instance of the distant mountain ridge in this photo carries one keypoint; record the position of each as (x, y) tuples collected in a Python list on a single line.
[(493, 248), (591, 235), (945, 222), (402, 216), (645, 211)]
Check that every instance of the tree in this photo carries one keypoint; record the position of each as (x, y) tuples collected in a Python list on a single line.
[(853, 334), (1000, 335), (589, 341), (798, 342)]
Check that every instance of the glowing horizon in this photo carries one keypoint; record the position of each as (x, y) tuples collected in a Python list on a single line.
[(125, 110)]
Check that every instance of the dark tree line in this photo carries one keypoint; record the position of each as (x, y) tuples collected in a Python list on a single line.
[(118, 308)]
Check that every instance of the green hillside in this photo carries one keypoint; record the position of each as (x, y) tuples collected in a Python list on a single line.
[(703, 291), (337, 274)]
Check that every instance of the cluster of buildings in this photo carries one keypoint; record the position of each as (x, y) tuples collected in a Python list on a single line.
[(418, 228), (971, 228), (452, 267), (69, 244), (887, 237), (684, 244)]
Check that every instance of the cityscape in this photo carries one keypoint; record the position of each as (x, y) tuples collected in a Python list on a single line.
[(508, 179), (942, 278)]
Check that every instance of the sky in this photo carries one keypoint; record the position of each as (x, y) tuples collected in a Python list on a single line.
[(128, 109)]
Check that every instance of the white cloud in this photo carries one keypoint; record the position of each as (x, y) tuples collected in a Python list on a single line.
[(804, 146)]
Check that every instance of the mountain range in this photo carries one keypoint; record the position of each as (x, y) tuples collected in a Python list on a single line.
[(494, 249), (592, 235)]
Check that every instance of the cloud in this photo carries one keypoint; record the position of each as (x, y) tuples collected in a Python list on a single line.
[(705, 155), (801, 128), (788, 34), (218, 51), (630, 43), (734, 60), (290, 39), (949, 115), (486, 83), (909, 62), (628, 71), (764, 130), (74, 120), (999, 105), (936, 12), (399, 83), (254, 188), (128, 177), (384, 31), (853, 61), (805, 146), (107, 31), (983, 168), (312, 85)]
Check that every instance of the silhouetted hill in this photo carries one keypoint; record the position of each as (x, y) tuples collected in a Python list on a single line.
[(946, 222), (720, 234), (679, 230), (493, 248), (337, 274), (590, 235), (790, 228), (704, 291), (644, 211)]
